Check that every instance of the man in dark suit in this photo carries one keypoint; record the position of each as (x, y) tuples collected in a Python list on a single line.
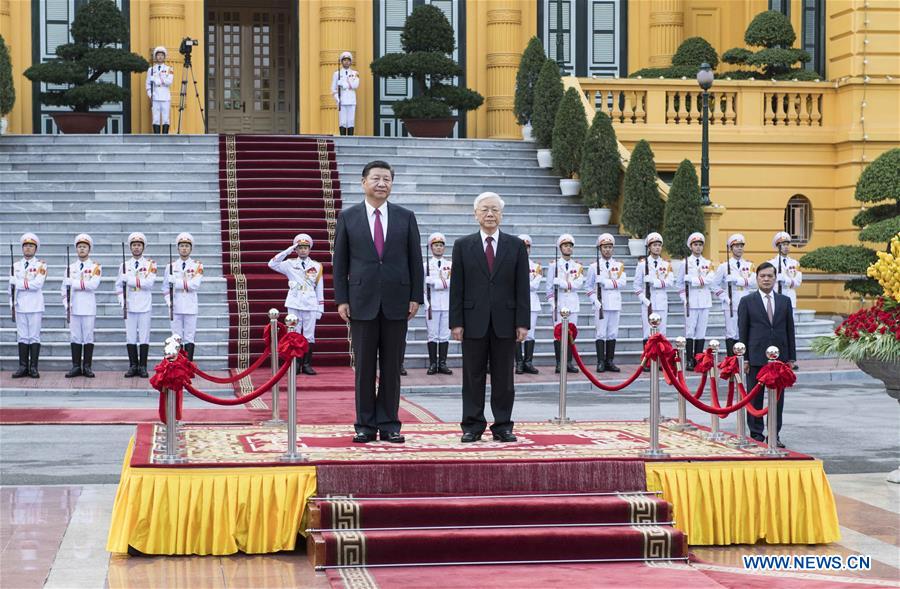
[(378, 287), (765, 318), (490, 311)]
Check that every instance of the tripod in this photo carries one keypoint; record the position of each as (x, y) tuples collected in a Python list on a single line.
[(183, 93)]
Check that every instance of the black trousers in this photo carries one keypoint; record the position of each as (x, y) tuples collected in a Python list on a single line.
[(502, 354), (378, 343), (757, 424)]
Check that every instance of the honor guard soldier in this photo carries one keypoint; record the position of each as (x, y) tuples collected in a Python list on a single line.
[(79, 289), (566, 279), (305, 297), (734, 279), (26, 297), (134, 289), (695, 278), (789, 277), (344, 83), (159, 80), (605, 282), (181, 281), (652, 279), (437, 305), (525, 350)]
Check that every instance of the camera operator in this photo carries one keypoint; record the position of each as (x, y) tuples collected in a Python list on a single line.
[(159, 79)]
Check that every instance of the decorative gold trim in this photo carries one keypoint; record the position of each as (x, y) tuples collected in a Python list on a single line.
[(350, 548), (346, 514), (657, 541), (641, 508), (358, 578)]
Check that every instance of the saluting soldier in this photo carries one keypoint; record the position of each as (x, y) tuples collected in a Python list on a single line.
[(184, 276), (567, 279), (656, 272), (604, 286), (344, 83), (82, 281), (789, 277), (740, 274), (525, 350), (695, 278), (134, 288), (437, 304), (28, 278), (159, 79), (305, 298)]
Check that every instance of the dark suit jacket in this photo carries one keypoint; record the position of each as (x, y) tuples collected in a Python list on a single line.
[(478, 297), (370, 284), (757, 333)]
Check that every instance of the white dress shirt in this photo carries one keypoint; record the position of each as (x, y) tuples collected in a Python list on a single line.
[(370, 213), (763, 297), (494, 243)]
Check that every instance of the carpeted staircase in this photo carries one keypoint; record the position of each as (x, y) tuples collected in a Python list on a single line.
[(431, 515), (272, 188)]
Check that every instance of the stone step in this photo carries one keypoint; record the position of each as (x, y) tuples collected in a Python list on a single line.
[(169, 185), (136, 167), (168, 160), (186, 141), (351, 163)]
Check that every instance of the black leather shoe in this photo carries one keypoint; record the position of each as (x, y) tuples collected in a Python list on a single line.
[(402, 370), (779, 443), (758, 438), (505, 437), (469, 437), (392, 437), (363, 438)]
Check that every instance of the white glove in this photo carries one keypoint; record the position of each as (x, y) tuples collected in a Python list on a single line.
[(732, 278), (66, 281), (168, 300), (121, 301), (292, 284), (318, 315), (560, 282), (682, 297), (644, 300)]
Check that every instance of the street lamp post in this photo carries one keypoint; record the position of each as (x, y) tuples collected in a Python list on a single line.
[(705, 78)]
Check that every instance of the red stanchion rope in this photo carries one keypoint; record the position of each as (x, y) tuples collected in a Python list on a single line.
[(282, 329), (573, 332), (262, 389)]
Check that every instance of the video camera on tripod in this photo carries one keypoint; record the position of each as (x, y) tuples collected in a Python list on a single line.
[(187, 45)]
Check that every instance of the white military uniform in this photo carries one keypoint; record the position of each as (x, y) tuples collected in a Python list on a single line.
[(740, 274), (29, 275), (159, 80), (535, 277), (344, 83), (137, 280), (84, 279), (305, 297), (660, 280), (605, 287), (187, 275), (438, 278), (788, 275), (695, 277), (569, 277)]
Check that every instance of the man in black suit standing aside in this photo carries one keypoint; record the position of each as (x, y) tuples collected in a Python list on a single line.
[(378, 287), (490, 312), (765, 319)]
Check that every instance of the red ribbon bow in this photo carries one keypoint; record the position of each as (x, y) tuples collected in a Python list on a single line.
[(660, 349), (573, 332), (728, 367), (293, 345), (172, 374), (704, 361), (777, 375)]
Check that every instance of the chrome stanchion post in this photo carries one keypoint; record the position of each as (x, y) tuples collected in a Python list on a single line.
[(772, 414), (171, 455), (654, 451), (714, 434), (681, 424), (563, 362), (740, 439), (275, 420), (292, 455)]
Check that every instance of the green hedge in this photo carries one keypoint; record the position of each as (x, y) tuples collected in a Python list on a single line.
[(683, 210), (642, 207), (548, 92), (569, 132), (7, 90), (601, 172), (530, 65)]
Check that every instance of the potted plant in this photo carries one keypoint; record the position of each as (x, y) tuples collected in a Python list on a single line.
[(97, 29), (690, 55), (548, 92), (569, 132), (601, 171), (683, 211), (428, 41), (533, 59), (7, 91), (642, 208)]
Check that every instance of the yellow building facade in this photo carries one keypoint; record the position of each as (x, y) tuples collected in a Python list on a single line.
[(783, 154)]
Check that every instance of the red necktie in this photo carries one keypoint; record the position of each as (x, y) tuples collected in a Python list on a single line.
[(379, 234), (489, 254)]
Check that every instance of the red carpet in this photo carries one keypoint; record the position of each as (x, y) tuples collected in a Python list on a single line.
[(271, 188), (111, 416)]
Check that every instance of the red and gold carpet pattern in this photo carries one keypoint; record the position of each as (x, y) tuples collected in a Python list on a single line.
[(272, 188)]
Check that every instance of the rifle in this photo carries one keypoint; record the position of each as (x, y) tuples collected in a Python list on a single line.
[(427, 277), (12, 283), (556, 286), (647, 283), (597, 285), (68, 289), (687, 289), (124, 285), (780, 284), (171, 287), (728, 273)]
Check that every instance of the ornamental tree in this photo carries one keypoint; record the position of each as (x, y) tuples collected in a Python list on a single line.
[(7, 91), (642, 207), (690, 55), (683, 211), (548, 92), (773, 35), (601, 171), (879, 185), (97, 31), (569, 132), (533, 59), (428, 41)]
